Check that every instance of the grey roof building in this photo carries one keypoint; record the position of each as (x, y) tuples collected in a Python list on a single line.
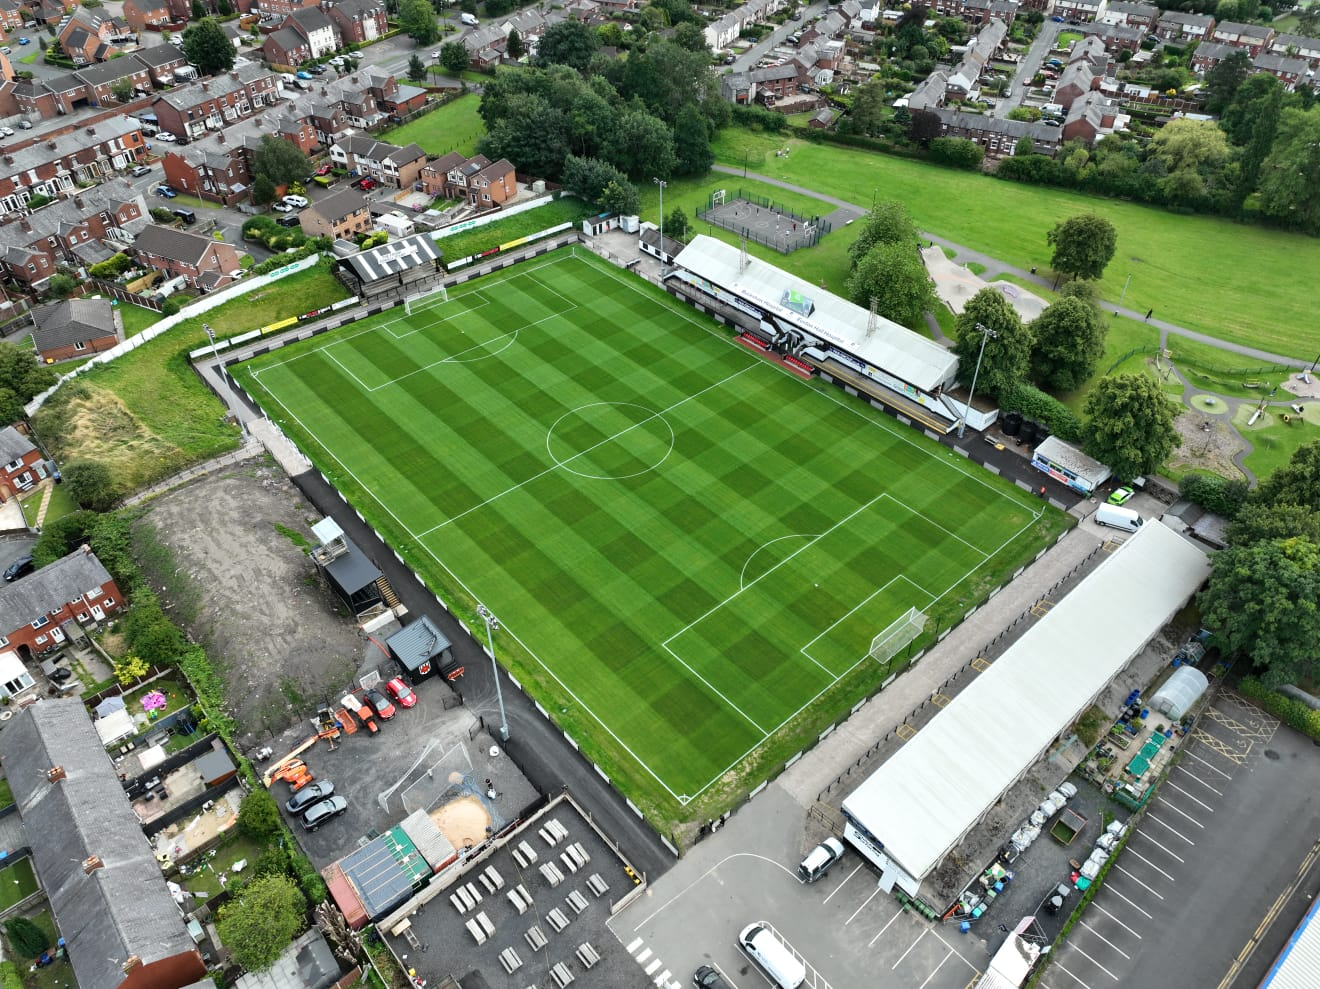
[(13, 445), (50, 588), (106, 890), (72, 322), (395, 258)]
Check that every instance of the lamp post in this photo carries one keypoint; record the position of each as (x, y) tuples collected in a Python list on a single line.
[(661, 183), (493, 623), (986, 334)]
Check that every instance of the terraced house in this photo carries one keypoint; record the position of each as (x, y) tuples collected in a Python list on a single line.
[(56, 166), (214, 104), (33, 610)]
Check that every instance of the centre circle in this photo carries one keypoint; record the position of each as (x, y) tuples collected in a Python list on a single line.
[(610, 441)]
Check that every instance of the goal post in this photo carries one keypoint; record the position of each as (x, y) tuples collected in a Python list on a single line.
[(717, 198), (899, 633), (421, 301)]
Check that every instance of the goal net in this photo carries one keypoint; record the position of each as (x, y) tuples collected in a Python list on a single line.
[(899, 633), (717, 198), (415, 302)]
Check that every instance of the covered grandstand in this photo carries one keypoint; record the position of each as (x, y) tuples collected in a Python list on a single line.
[(921, 803), (878, 359)]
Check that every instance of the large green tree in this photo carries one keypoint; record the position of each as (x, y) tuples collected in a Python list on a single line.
[(642, 146), (279, 160), (1295, 483), (260, 922), (1007, 354), (417, 20), (1069, 342), (1239, 117), (692, 153), (1256, 521), (888, 222), (90, 484), (1129, 425), (453, 56), (1083, 245), (1223, 80), (870, 108), (895, 277), (258, 817), (1290, 176), (1263, 599), (567, 42), (208, 47), (416, 68)]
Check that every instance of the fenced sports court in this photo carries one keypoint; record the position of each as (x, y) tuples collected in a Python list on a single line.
[(763, 221)]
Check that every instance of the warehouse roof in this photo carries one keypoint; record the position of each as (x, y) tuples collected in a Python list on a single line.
[(924, 800)]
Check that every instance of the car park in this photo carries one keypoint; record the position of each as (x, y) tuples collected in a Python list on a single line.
[(381, 704), (19, 568), (140, 170), (165, 191), (318, 813), (708, 978), (312, 794), (400, 692), (297, 202)]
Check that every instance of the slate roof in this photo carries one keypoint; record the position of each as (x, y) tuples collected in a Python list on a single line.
[(39, 153), (176, 245), (189, 96), (122, 909), (13, 445), (312, 19), (287, 39), (50, 588), (414, 644), (339, 205), (63, 324), (103, 72)]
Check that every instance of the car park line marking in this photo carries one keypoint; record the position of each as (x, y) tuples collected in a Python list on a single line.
[(1211, 765), (1218, 793), (690, 886), (644, 956), (1125, 872), (1105, 940), (1152, 817), (1164, 801), (954, 950), (1160, 847), (1218, 745), (844, 883), (1065, 971), (947, 955), (1131, 903), (1095, 963), (862, 907), (909, 949), (655, 963), (1175, 786), (1117, 921), (882, 930), (1143, 858)]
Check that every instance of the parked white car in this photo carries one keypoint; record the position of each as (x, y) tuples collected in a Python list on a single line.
[(297, 202)]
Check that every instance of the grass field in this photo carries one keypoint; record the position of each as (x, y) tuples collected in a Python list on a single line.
[(456, 126), (686, 547)]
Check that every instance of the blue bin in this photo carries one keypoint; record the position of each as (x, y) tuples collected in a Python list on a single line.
[(964, 927)]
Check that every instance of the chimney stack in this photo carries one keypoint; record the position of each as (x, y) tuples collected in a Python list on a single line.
[(132, 964), (92, 863), (55, 773)]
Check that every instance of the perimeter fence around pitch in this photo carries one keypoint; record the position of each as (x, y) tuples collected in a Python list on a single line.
[(723, 209)]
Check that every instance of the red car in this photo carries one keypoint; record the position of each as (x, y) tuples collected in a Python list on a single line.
[(365, 184), (325, 170), (400, 692), (381, 704)]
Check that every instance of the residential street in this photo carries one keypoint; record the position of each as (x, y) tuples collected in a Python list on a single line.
[(1029, 66)]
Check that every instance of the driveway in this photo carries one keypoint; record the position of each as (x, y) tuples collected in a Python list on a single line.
[(1027, 68)]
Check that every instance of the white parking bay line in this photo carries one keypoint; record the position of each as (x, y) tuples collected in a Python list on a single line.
[(1105, 940), (1175, 786), (1210, 765), (1116, 920), (844, 883), (947, 955), (862, 907), (882, 930), (1152, 817), (1137, 854), (1164, 802), (1066, 972), (1125, 872), (1132, 903), (1166, 851), (1185, 772), (910, 947), (1094, 962)]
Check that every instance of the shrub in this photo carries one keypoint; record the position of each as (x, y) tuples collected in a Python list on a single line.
[(90, 484), (170, 307), (1033, 403), (161, 215), (1214, 493), (1289, 710), (957, 152), (129, 669), (27, 938), (111, 267), (258, 817)]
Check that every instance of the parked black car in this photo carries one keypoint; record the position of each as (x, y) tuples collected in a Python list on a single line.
[(19, 568), (309, 795), (317, 814)]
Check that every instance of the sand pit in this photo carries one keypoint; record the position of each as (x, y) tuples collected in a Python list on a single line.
[(463, 821)]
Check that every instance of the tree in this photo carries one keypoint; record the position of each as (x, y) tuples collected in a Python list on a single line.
[(692, 153), (198, 11), (28, 939), (263, 190), (1224, 79), (888, 222), (513, 44), (453, 56), (224, 8), (90, 484), (1290, 176), (1239, 117), (280, 161), (621, 197), (924, 127), (416, 68), (1264, 132), (1295, 483), (122, 90), (1214, 493), (692, 37), (894, 275), (869, 109), (957, 152), (208, 47), (1083, 245), (567, 42), (259, 924), (642, 147), (1256, 521), (258, 817), (676, 224), (1030, 114), (129, 669), (1007, 355), (1263, 599), (61, 286), (1129, 425), (1190, 144), (417, 20), (1024, 146), (1308, 20), (1069, 342)]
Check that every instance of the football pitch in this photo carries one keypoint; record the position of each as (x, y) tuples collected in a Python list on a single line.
[(685, 546)]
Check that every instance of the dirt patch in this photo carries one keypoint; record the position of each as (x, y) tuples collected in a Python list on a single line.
[(1208, 443), (462, 821), (252, 597)]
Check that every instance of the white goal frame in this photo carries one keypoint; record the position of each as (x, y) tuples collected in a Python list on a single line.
[(899, 633), (439, 290), (717, 198)]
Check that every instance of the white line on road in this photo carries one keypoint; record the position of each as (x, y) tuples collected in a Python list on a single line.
[(842, 884), (1152, 817), (1105, 940), (1137, 854), (1131, 903), (910, 947), (1094, 962), (1209, 765), (1175, 786), (956, 952), (644, 957), (1116, 920), (1137, 881), (885, 928), (1159, 846), (1065, 971), (947, 955), (1186, 772), (634, 946), (862, 907), (1164, 801)]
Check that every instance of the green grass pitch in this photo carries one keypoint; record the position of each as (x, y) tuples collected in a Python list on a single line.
[(686, 545)]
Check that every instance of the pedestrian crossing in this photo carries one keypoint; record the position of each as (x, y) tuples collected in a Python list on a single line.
[(654, 968)]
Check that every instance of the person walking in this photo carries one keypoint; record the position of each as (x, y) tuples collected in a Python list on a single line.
[(1149, 313)]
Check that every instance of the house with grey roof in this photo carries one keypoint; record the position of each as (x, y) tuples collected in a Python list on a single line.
[(74, 328), (34, 610), (24, 464), (202, 262), (108, 898)]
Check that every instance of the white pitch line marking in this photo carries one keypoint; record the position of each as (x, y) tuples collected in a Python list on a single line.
[(1211, 766), (1194, 800)]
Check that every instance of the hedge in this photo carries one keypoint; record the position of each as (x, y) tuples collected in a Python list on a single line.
[(1035, 404), (1290, 711)]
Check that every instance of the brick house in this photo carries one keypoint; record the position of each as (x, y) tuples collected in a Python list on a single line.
[(218, 166), (998, 135), (29, 266), (88, 227), (1287, 69), (203, 263), (74, 328), (286, 48), (76, 588), (143, 15), (101, 79), (1082, 11), (1092, 117), (1139, 15), (339, 216), (1297, 46), (24, 465), (11, 16), (212, 104), (282, 8), (391, 97), (59, 164), (493, 185), (320, 32), (1252, 38), (478, 180), (1176, 26), (1076, 79), (435, 174), (161, 62), (359, 21), (1208, 54), (389, 164), (88, 37)]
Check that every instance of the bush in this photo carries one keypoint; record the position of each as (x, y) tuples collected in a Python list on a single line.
[(90, 484), (313, 886), (957, 152), (1214, 493), (150, 634), (111, 267), (170, 307), (258, 817), (161, 215), (1292, 712), (27, 938), (1033, 403)]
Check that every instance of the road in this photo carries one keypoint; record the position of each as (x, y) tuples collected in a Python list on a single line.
[(1029, 66), (748, 59)]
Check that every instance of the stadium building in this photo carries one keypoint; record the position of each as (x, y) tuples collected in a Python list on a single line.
[(818, 332)]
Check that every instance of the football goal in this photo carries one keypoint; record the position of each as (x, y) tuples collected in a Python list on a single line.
[(439, 293), (899, 633)]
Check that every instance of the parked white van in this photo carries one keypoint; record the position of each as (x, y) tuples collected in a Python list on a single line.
[(469, 19), (1118, 517), (779, 964)]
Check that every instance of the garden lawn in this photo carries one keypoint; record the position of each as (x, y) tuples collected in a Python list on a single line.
[(688, 582), (456, 126), (1235, 282), (136, 318), (17, 882)]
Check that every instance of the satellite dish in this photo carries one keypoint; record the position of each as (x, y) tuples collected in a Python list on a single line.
[(494, 751)]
